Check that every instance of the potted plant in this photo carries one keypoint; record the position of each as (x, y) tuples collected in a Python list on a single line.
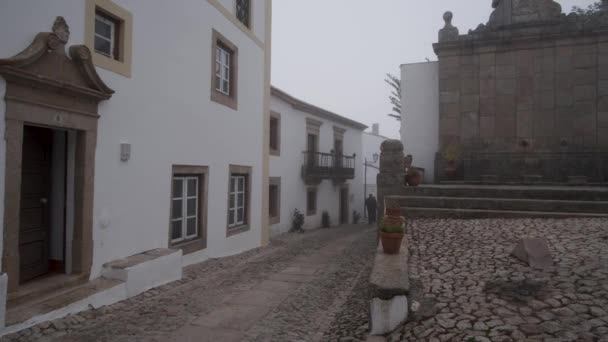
[(297, 222), (356, 217), (325, 220), (413, 177), (391, 234), (451, 153)]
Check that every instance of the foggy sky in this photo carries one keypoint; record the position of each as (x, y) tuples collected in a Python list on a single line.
[(335, 53)]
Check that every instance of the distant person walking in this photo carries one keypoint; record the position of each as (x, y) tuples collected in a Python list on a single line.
[(372, 206)]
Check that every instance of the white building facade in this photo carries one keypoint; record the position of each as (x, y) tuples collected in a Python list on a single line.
[(315, 164), (420, 115), (135, 142), (371, 154)]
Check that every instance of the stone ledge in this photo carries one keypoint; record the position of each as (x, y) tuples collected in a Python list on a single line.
[(147, 270), (390, 286), (390, 276)]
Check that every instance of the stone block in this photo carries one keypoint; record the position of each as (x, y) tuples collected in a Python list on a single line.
[(564, 98), (544, 81), (505, 127), (449, 85), (487, 88), (584, 60), (602, 119), (469, 103), (487, 59), (602, 137), (602, 71), (584, 92), (547, 99), (469, 86), (505, 58), (564, 80), (449, 62), (506, 105), (532, 179), (589, 107), (387, 315), (506, 86), (487, 72), (585, 76), (449, 126), (534, 252), (525, 57), (584, 125), (563, 63), (469, 60), (469, 125), (544, 125), (486, 126), (524, 124), (487, 106), (449, 97), (3, 299), (489, 179), (505, 71), (449, 110), (602, 88)]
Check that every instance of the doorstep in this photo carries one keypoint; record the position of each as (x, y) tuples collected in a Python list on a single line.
[(62, 302)]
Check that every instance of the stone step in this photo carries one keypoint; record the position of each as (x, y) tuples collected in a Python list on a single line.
[(413, 212), (509, 204), (63, 301), (565, 193)]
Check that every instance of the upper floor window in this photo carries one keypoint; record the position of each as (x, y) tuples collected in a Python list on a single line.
[(275, 134), (224, 76), (223, 58), (109, 35), (243, 12)]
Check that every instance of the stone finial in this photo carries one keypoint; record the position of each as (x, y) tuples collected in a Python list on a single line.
[(448, 32), (60, 35)]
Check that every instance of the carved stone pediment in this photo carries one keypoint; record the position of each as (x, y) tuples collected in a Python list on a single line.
[(45, 64), (512, 12)]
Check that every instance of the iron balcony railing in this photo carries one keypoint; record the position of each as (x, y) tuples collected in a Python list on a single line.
[(328, 165)]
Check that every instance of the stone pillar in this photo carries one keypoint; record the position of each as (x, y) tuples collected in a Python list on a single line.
[(391, 179)]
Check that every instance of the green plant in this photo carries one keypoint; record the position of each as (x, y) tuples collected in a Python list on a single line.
[(297, 222), (451, 152), (325, 219), (391, 224), (594, 8), (356, 217)]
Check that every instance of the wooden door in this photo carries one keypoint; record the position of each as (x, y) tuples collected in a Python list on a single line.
[(34, 212), (339, 152), (344, 206)]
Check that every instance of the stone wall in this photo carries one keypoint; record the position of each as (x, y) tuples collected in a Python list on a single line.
[(525, 96)]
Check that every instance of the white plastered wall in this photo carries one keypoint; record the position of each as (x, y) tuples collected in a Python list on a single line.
[(288, 166), (420, 116), (164, 111)]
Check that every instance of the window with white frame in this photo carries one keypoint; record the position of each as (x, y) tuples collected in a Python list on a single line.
[(106, 29), (185, 215), (237, 201), (222, 69)]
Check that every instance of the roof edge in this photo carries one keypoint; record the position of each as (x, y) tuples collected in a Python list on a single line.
[(314, 110)]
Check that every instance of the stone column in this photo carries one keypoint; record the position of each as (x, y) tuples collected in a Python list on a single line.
[(391, 179)]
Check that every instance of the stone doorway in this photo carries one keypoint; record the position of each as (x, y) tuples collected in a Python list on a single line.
[(344, 207), (48, 92)]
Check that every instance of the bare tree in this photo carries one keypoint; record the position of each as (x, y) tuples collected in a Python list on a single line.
[(395, 95), (591, 9)]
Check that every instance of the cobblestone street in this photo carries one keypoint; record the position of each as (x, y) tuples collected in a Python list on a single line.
[(472, 290), (288, 291)]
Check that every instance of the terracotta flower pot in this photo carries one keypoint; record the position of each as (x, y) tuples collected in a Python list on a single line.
[(393, 212), (391, 242), (413, 180)]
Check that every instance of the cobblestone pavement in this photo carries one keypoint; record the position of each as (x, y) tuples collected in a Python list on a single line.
[(470, 289), (290, 290)]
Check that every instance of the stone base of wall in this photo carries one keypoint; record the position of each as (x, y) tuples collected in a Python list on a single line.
[(518, 167)]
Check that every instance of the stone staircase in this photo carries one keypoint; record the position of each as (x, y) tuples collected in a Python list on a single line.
[(502, 201)]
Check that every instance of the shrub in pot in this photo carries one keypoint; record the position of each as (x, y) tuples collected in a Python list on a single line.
[(391, 234), (297, 222), (325, 220), (356, 217), (413, 177)]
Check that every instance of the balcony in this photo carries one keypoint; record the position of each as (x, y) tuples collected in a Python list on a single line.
[(318, 166)]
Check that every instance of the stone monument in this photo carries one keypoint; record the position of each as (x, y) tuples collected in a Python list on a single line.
[(525, 96)]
